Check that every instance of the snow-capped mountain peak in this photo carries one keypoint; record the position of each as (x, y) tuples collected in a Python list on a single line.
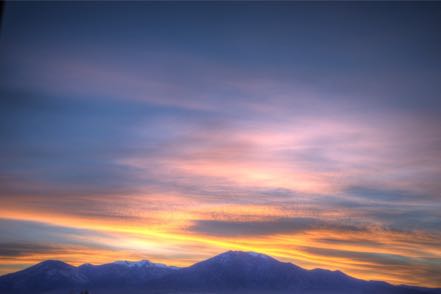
[(258, 255), (139, 264), (234, 255)]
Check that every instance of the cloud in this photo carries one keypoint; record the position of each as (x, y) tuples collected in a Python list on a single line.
[(373, 193), (47, 236), (24, 249), (271, 227), (352, 241), (371, 257)]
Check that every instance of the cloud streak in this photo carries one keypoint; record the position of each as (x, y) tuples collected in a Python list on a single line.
[(271, 227)]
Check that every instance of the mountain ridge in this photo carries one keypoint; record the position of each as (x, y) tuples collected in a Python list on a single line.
[(228, 272)]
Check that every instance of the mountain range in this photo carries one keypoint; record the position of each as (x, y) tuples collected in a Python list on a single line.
[(229, 272)]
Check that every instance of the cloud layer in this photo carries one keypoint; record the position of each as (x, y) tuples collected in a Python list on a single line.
[(154, 130)]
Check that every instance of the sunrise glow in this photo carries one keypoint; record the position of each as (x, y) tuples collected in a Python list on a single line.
[(176, 132)]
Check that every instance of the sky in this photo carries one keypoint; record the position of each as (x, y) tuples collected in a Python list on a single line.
[(174, 131)]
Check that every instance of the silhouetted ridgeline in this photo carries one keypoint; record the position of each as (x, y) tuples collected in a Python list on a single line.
[(229, 272)]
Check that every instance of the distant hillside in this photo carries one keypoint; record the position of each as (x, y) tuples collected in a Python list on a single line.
[(229, 272)]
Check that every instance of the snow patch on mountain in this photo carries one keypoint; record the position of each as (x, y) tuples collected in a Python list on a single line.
[(139, 264)]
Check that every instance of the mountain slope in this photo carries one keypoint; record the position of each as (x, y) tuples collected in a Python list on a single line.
[(42, 277), (234, 271), (229, 272), (123, 273), (52, 275), (240, 272)]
